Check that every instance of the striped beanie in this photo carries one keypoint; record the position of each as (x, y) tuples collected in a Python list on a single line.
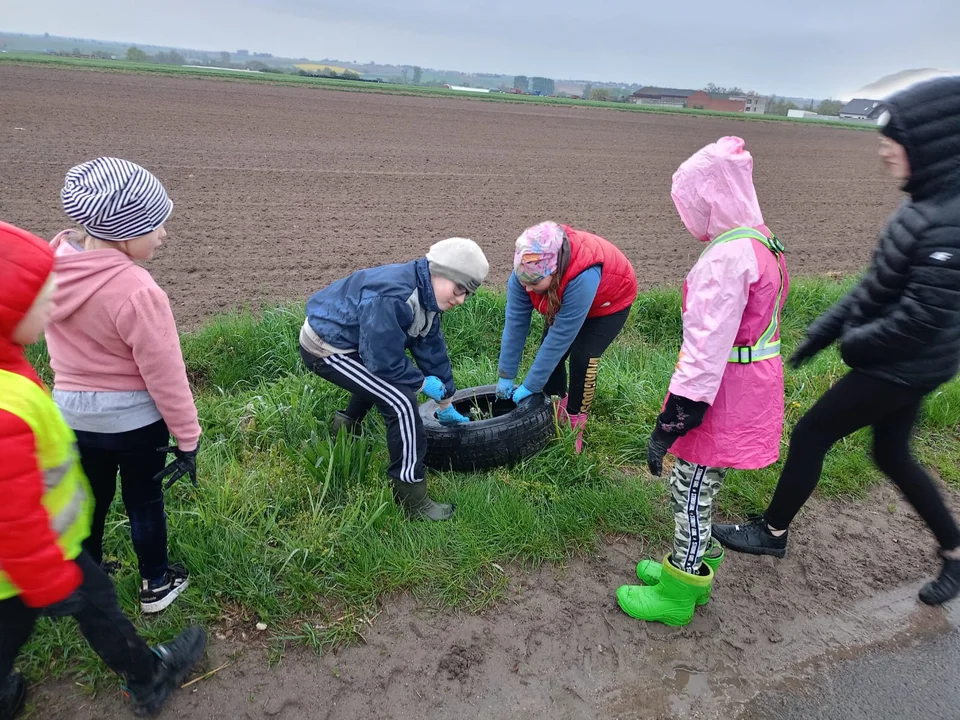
[(114, 199)]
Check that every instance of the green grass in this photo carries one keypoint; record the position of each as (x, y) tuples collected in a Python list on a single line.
[(299, 530), (387, 88)]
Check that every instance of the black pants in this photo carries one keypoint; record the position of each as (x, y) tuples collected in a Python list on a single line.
[(134, 454), (95, 608), (406, 439), (593, 339), (855, 402)]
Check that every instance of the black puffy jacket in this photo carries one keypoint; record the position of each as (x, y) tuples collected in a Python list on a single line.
[(902, 321)]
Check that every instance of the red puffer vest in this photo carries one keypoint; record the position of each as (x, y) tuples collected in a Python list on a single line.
[(618, 281)]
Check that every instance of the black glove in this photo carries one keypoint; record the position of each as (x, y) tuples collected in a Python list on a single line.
[(184, 464), (679, 417), (806, 350)]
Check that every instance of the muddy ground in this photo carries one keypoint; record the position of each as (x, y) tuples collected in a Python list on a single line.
[(559, 647), (279, 190)]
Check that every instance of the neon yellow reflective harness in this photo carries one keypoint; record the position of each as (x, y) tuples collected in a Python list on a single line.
[(766, 347)]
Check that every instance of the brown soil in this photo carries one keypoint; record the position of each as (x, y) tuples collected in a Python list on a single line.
[(279, 190), (559, 646)]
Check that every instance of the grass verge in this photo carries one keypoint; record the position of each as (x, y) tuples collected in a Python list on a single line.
[(297, 529)]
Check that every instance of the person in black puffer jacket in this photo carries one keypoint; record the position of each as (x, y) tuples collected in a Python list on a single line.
[(899, 331)]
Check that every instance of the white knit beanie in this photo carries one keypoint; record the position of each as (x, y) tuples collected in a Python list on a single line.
[(460, 260), (114, 199)]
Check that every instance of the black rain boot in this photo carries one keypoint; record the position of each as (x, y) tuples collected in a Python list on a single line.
[(944, 588), (175, 659), (13, 693), (352, 425), (413, 498)]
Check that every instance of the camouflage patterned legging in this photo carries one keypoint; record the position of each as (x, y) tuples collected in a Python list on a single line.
[(693, 488)]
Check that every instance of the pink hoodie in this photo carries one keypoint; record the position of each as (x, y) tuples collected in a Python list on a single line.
[(728, 300), (113, 330)]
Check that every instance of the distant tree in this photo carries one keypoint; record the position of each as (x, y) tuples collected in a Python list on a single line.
[(542, 85), (600, 94), (779, 106), (135, 54), (522, 83), (720, 90), (829, 107), (225, 59), (350, 75), (417, 74), (257, 65), (170, 58), (404, 74), (585, 93)]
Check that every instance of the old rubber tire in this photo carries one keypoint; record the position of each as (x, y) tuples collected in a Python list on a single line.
[(513, 433)]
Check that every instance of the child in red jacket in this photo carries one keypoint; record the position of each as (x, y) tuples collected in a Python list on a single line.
[(45, 509)]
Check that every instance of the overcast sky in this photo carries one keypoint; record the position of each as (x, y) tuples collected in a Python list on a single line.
[(815, 48)]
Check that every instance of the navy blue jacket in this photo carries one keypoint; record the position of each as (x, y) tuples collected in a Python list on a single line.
[(382, 312)]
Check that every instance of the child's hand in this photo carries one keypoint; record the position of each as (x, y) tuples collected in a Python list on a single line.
[(521, 393), (451, 416), (504, 388), (433, 388)]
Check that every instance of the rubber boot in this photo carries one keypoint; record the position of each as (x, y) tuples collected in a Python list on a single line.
[(649, 570), (352, 425), (174, 660), (577, 423), (13, 693), (413, 498), (671, 601)]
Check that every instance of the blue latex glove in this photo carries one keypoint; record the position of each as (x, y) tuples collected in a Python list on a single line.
[(433, 388), (520, 393), (450, 416), (504, 388)]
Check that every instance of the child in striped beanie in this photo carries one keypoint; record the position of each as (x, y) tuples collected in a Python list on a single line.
[(119, 375)]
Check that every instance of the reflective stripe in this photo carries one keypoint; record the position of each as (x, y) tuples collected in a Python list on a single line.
[(62, 521), (55, 475), (766, 347)]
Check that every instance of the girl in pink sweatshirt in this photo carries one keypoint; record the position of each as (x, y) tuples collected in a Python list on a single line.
[(119, 376)]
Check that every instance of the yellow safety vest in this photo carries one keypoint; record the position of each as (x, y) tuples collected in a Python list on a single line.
[(766, 347), (67, 497)]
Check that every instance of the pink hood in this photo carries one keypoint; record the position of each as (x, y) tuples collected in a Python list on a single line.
[(713, 190), (81, 274)]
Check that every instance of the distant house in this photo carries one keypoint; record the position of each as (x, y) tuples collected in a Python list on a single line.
[(664, 97), (701, 100), (860, 109)]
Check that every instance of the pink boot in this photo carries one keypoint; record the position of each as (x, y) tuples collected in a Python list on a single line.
[(562, 409), (578, 422)]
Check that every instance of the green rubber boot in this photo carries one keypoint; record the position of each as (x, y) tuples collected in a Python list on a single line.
[(671, 601), (413, 498), (649, 570)]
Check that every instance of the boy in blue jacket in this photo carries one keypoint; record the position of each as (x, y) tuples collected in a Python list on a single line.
[(357, 334)]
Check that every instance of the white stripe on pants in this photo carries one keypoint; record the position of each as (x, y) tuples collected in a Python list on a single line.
[(358, 373)]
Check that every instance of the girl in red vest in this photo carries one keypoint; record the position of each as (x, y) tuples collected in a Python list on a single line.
[(584, 287)]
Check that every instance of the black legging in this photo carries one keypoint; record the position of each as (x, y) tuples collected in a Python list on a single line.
[(855, 402), (594, 338)]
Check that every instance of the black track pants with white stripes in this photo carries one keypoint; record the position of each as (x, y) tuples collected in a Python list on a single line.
[(406, 440)]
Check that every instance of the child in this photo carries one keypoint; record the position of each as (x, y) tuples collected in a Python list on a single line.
[(356, 336), (119, 377), (45, 512), (725, 404), (584, 287), (899, 332)]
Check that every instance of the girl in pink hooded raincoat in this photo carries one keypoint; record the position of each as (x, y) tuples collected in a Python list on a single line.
[(725, 404)]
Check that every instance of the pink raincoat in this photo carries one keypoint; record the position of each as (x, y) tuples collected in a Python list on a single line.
[(728, 301)]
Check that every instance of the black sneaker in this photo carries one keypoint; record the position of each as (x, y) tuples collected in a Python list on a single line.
[(177, 658), (154, 597), (946, 587), (13, 693), (753, 538)]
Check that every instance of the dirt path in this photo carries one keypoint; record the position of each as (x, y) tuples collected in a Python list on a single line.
[(279, 190), (558, 647)]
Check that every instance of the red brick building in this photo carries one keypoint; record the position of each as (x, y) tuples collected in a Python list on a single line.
[(703, 101)]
